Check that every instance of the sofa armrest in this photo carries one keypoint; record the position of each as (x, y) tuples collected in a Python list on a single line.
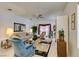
[(27, 46)]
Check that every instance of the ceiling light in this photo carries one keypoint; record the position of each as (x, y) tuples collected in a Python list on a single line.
[(9, 9)]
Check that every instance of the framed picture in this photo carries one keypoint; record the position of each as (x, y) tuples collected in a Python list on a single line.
[(18, 27), (73, 21)]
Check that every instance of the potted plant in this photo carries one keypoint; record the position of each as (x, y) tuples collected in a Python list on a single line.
[(61, 34), (34, 30)]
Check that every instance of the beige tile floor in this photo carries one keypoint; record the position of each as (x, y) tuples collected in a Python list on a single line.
[(6, 52), (53, 50)]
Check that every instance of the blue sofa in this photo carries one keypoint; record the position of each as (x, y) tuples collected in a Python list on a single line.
[(21, 49)]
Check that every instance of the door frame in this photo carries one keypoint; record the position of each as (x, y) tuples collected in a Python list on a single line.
[(44, 25)]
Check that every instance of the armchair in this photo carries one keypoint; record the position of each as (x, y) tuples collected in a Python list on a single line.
[(21, 49)]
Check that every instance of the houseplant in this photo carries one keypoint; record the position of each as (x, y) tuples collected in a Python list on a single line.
[(61, 34), (34, 30)]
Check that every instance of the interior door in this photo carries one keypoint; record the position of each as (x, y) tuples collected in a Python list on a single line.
[(62, 23), (44, 28)]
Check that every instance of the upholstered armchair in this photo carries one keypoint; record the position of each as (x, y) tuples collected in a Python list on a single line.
[(21, 49)]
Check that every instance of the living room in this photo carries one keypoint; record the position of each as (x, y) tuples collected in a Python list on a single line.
[(22, 18)]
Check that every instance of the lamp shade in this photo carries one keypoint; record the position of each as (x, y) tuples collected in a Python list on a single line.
[(9, 31), (30, 30)]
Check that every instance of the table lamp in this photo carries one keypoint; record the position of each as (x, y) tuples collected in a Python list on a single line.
[(7, 44), (30, 30), (9, 32)]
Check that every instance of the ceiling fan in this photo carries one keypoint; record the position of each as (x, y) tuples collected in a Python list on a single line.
[(38, 16)]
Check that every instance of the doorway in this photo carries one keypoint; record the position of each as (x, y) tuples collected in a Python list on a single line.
[(44, 28)]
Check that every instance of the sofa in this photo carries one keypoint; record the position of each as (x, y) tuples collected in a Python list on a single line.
[(21, 49)]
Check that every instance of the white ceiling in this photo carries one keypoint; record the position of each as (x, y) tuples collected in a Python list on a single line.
[(28, 9)]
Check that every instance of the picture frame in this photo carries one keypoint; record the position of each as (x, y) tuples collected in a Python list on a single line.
[(18, 27), (73, 21)]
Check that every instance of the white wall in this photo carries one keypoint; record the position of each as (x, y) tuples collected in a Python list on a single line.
[(78, 26), (69, 10), (49, 19), (7, 19)]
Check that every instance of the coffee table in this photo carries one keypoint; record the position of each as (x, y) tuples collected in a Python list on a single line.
[(42, 48)]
